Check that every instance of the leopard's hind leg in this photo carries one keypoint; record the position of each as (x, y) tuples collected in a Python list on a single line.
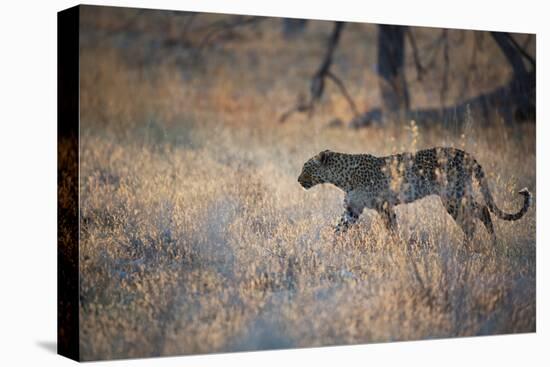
[(389, 218), (484, 215), (463, 213), (459, 202)]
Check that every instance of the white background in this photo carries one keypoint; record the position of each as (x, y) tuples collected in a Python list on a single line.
[(28, 182)]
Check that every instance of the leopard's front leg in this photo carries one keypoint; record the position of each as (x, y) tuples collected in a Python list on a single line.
[(349, 217), (388, 216)]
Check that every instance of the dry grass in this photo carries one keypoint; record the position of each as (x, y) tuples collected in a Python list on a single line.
[(196, 237)]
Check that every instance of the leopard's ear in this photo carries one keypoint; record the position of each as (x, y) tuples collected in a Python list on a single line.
[(323, 157)]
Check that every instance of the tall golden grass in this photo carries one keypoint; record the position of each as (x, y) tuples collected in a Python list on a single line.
[(197, 238)]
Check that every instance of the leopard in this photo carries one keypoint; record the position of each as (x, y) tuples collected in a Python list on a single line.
[(383, 182)]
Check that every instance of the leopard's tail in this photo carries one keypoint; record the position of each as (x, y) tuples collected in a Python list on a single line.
[(527, 198)]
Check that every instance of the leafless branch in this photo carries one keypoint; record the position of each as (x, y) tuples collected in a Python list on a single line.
[(419, 68), (445, 83), (220, 27), (317, 85), (472, 65), (434, 48), (301, 106), (521, 50), (527, 41), (344, 91), (188, 22)]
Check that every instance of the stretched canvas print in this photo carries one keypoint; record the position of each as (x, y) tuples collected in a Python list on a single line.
[(233, 183)]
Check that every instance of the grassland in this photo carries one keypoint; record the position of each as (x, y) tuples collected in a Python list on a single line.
[(196, 237)]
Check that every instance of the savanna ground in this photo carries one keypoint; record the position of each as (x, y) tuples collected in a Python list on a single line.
[(197, 238)]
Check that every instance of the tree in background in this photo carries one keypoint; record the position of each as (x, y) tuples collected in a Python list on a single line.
[(513, 101)]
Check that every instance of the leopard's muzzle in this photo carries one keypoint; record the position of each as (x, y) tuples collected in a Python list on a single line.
[(305, 181)]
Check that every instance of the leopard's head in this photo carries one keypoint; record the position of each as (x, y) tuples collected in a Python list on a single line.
[(317, 170)]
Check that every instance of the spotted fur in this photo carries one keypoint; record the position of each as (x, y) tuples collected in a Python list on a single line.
[(380, 183)]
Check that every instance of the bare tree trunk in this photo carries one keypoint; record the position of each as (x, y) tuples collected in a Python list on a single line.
[(390, 68), (513, 101), (522, 86)]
